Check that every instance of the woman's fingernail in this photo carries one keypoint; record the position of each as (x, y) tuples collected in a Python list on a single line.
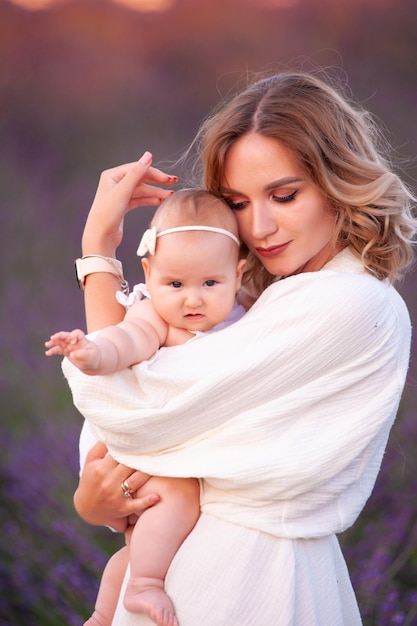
[(170, 193), (146, 158), (173, 179)]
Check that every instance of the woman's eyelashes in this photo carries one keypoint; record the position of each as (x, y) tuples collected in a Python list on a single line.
[(235, 206), (286, 198), (241, 204)]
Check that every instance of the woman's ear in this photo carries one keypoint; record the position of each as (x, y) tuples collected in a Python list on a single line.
[(239, 272), (146, 269)]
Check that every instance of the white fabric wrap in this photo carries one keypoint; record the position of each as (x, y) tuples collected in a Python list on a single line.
[(285, 414)]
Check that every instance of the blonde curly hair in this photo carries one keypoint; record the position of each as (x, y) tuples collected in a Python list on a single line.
[(339, 148)]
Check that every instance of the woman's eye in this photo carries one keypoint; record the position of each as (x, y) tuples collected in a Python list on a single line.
[(176, 284), (235, 206), (286, 198)]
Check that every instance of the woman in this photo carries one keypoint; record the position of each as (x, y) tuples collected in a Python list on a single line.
[(285, 415)]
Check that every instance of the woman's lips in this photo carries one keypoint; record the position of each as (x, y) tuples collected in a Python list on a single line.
[(272, 250)]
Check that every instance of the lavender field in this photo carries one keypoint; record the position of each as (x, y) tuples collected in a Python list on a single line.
[(87, 85)]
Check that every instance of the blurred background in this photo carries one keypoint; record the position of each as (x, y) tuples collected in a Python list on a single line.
[(85, 85)]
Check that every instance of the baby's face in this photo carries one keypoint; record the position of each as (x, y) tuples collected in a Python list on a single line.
[(193, 278)]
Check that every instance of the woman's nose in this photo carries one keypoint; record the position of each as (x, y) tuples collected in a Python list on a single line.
[(264, 221)]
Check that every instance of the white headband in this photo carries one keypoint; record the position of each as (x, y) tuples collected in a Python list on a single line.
[(148, 241)]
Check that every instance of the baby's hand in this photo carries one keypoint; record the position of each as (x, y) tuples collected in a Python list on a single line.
[(82, 352), (65, 342)]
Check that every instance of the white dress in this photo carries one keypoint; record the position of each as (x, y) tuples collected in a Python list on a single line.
[(285, 417)]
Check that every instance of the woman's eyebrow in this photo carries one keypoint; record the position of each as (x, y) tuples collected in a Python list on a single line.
[(281, 182)]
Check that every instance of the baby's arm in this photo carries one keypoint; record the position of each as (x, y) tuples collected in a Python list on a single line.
[(134, 340), (114, 348)]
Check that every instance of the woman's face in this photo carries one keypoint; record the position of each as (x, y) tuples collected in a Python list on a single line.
[(283, 217)]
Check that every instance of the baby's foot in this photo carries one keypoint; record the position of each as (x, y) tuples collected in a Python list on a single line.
[(147, 595), (98, 619)]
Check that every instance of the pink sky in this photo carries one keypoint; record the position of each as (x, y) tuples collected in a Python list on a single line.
[(161, 5), (140, 5)]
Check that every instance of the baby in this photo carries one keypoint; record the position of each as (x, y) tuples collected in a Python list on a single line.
[(193, 271)]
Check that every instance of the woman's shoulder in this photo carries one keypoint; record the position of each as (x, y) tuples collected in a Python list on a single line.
[(345, 277), (346, 261), (344, 274), (342, 289)]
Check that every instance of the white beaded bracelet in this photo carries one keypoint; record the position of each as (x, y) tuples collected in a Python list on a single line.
[(95, 263)]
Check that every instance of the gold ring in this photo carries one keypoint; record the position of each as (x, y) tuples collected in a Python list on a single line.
[(127, 491)]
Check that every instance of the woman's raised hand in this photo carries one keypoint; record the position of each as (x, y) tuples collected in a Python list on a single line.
[(121, 189)]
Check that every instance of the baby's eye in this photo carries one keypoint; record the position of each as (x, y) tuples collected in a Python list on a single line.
[(210, 283), (176, 284)]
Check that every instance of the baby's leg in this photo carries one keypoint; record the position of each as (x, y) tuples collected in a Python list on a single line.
[(110, 586), (155, 539)]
